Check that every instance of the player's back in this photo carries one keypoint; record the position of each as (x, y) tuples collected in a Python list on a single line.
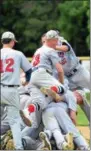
[(44, 57), (68, 59), (10, 64)]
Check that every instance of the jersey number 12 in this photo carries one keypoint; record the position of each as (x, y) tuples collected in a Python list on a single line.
[(8, 65)]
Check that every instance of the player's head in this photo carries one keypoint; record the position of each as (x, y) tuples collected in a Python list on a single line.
[(51, 38), (43, 38), (8, 38)]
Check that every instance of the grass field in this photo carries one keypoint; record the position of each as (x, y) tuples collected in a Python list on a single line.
[(81, 118)]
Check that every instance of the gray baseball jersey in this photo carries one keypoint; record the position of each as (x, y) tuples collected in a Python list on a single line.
[(68, 59), (10, 63), (78, 76), (45, 57)]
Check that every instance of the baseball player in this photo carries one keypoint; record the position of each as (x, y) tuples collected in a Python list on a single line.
[(66, 50), (29, 134), (69, 62), (43, 62), (77, 75), (34, 91), (58, 112), (41, 100), (10, 63)]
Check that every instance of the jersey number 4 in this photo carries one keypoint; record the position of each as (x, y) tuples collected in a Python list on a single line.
[(8, 65)]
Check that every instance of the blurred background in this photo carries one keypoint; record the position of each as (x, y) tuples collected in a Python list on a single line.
[(29, 19)]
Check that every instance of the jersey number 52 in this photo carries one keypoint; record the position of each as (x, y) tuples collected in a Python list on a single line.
[(6, 65)]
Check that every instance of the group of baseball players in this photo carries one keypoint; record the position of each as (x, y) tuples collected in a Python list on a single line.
[(39, 99)]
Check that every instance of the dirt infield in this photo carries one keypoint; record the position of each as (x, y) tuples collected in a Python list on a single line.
[(85, 131)]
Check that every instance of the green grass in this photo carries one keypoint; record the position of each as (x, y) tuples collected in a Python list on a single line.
[(81, 118)]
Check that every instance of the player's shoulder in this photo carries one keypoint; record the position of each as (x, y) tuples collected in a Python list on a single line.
[(48, 49), (17, 52)]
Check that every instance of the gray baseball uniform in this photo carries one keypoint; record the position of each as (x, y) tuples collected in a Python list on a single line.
[(56, 114), (4, 121), (29, 134), (10, 63), (44, 60), (77, 75), (78, 79), (37, 97)]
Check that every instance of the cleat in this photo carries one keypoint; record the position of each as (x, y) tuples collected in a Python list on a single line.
[(45, 140), (4, 140), (44, 148), (25, 118), (65, 146), (10, 145), (69, 139), (53, 94)]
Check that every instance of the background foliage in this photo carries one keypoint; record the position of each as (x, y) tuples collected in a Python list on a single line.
[(29, 19)]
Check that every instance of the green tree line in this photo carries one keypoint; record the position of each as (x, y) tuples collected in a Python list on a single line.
[(30, 19)]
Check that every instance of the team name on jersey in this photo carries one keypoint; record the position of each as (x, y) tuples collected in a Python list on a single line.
[(63, 59)]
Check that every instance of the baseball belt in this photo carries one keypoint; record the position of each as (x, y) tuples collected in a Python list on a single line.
[(36, 68), (4, 85)]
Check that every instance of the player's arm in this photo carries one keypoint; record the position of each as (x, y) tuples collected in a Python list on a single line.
[(60, 72), (55, 61), (26, 67), (64, 47), (27, 76)]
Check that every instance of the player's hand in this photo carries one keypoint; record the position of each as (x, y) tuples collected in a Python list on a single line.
[(23, 81), (62, 39)]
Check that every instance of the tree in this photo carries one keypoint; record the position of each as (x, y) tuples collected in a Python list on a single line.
[(32, 18), (73, 22)]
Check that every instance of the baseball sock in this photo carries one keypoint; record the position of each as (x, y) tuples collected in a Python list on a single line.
[(58, 89), (33, 108)]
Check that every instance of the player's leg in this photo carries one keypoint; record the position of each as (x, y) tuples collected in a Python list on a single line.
[(70, 98), (32, 131), (23, 99), (36, 103), (51, 124), (11, 99), (81, 78), (81, 99), (4, 121), (68, 127), (14, 122), (41, 78), (30, 144)]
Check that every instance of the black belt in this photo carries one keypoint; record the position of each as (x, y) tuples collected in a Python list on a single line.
[(41, 67), (72, 73), (4, 85), (24, 94)]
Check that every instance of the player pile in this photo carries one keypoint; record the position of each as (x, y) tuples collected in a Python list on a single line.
[(40, 113)]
